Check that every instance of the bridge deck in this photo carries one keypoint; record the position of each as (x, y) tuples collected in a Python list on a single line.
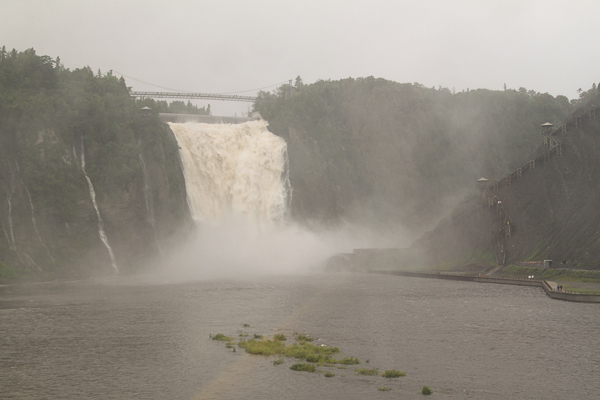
[(204, 96)]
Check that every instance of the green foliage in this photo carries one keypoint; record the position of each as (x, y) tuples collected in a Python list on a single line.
[(175, 107), (392, 373), (346, 361), (280, 336), (7, 271), (372, 143), (221, 337), (278, 361), (257, 336), (303, 338), (329, 374), (384, 389), (553, 274), (426, 390), (303, 367), (366, 371)]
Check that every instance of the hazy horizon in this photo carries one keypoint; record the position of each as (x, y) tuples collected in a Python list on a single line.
[(237, 46)]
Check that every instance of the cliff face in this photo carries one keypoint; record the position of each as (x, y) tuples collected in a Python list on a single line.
[(141, 211), (52, 119), (553, 209), (384, 154)]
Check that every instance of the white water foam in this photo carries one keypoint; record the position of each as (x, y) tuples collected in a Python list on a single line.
[(101, 231), (237, 169)]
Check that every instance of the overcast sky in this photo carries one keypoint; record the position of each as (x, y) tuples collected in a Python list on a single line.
[(224, 46)]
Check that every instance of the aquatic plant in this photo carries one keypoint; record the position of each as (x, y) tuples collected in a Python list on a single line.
[(303, 367), (303, 338), (366, 371), (392, 373), (221, 337), (346, 361)]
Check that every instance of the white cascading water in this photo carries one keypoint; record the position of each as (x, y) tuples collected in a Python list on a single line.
[(238, 188), (238, 169), (103, 236)]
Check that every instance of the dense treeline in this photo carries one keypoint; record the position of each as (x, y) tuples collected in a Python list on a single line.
[(174, 107), (49, 117), (387, 153)]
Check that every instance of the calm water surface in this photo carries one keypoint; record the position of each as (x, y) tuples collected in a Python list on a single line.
[(132, 339)]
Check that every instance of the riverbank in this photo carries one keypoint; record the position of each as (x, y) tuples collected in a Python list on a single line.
[(549, 288)]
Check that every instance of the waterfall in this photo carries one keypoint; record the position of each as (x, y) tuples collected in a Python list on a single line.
[(35, 228), (238, 169), (148, 196), (11, 240), (103, 236)]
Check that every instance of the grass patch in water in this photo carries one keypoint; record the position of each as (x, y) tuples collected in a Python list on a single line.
[(392, 373), (302, 337), (366, 371), (346, 361), (426, 390), (221, 337), (281, 337), (329, 374), (303, 367)]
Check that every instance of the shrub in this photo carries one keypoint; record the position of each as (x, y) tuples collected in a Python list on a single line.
[(392, 373), (281, 337), (366, 371), (329, 374), (426, 390), (221, 337), (303, 367), (384, 389), (303, 338)]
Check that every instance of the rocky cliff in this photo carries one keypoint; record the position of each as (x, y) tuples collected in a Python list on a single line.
[(548, 210), (62, 131)]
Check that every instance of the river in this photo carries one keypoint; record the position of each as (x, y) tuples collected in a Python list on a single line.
[(135, 338)]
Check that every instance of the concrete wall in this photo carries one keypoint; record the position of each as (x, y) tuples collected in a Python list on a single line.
[(567, 296)]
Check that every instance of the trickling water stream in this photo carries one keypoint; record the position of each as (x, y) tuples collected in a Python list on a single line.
[(101, 231)]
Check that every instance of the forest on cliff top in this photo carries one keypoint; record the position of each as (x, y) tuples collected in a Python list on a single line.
[(383, 154), (50, 118)]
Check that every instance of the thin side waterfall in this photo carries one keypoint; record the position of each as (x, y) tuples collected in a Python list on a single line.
[(11, 240), (103, 236), (238, 169), (35, 228), (148, 196)]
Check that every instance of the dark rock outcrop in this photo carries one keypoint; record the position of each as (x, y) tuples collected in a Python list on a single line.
[(553, 209)]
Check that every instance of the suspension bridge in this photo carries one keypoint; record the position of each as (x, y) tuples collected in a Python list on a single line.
[(184, 95)]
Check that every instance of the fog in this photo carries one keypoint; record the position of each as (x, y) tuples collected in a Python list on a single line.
[(236, 247), (236, 46)]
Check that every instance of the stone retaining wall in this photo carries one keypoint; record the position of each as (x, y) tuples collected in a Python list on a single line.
[(568, 296)]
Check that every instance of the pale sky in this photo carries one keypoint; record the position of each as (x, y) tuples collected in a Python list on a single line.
[(225, 46)]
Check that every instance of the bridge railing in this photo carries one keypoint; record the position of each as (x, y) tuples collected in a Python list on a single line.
[(204, 96)]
